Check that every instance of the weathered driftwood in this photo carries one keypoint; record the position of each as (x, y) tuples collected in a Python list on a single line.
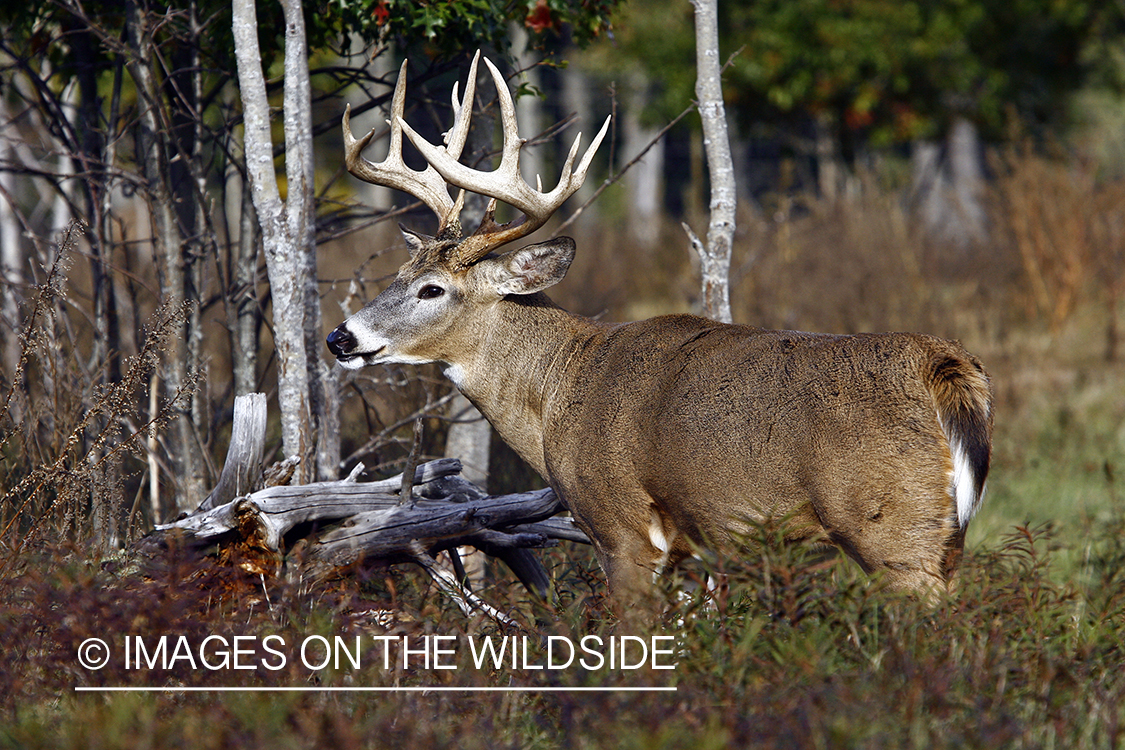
[(242, 473), (319, 530), (369, 520)]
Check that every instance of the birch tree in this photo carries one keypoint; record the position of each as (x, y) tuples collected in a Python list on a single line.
[(287, 226), (714, 257)]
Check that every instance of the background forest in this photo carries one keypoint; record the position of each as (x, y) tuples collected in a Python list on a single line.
[(949, 166)]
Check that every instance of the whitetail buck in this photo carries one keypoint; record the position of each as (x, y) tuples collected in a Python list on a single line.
[(676, 431)]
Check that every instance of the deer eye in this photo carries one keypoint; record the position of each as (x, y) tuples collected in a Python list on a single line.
[(430, 291)]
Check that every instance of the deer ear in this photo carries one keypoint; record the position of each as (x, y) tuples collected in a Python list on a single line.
[(414, 240), (532, 268)]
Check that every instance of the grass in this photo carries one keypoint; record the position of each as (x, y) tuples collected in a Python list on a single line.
[(1059, 445), (795, 650)]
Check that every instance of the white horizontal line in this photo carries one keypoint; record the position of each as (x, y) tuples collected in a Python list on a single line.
[(405, 689)]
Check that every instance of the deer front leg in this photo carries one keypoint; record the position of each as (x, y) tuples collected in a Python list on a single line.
[(630, 583), (633, 552)]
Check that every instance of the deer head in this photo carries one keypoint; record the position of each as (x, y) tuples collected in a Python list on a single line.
[(437, 298)]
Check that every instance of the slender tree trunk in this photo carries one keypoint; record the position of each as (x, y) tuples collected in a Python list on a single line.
[(286, 289), (576, 88), (715, 257), (201, 237), (244, 297), (12, 260), (829, 168), (300, 171), (239, 273), (300, 208), (967, 174), (288, 235), (469, 439), (94, 152), (529, 109), (948, 186), (90, 153), (645, 180), (167, 241)]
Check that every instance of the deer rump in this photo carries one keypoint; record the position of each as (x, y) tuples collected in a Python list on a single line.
[(679, 430)]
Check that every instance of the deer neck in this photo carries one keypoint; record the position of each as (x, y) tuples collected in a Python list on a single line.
[(520, 361)]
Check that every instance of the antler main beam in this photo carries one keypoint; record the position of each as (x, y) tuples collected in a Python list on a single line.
[(505, 183), (427, 185)]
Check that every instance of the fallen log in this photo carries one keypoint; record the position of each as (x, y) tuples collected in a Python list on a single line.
[(321, 530)]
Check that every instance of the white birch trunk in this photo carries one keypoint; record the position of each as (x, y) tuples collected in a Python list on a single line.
[(715, 257), (967, 174), (949, 187), (300, 207), (11, 256), (287, 231), (576, 97)]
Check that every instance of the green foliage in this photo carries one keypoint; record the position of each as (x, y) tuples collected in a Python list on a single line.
[(447, 28), (894, 71), (653, 44), (443, 26)]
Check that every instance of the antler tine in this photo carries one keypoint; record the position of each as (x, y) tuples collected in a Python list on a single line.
[(456, 136), (427, 186), (509, 168), (579, 175), (505, 183)]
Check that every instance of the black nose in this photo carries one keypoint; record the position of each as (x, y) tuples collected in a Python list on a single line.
[(341, 342)]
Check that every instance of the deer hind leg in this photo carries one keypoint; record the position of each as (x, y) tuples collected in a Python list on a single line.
[(954, 548), (915, 543)]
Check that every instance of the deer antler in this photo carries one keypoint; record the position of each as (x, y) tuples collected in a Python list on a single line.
[(504, 183), (428, 185)]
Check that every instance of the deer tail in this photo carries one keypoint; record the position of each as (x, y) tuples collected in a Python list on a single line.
[(962, 394)]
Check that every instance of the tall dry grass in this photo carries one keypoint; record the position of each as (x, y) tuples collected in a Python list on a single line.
[(1066, 227), (68, 438)]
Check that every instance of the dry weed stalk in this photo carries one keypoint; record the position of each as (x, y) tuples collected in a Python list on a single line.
[(1052, 212), (63, 434)]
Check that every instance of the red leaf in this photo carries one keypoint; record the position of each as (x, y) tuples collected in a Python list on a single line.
[(540, 19), (381, 13)]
